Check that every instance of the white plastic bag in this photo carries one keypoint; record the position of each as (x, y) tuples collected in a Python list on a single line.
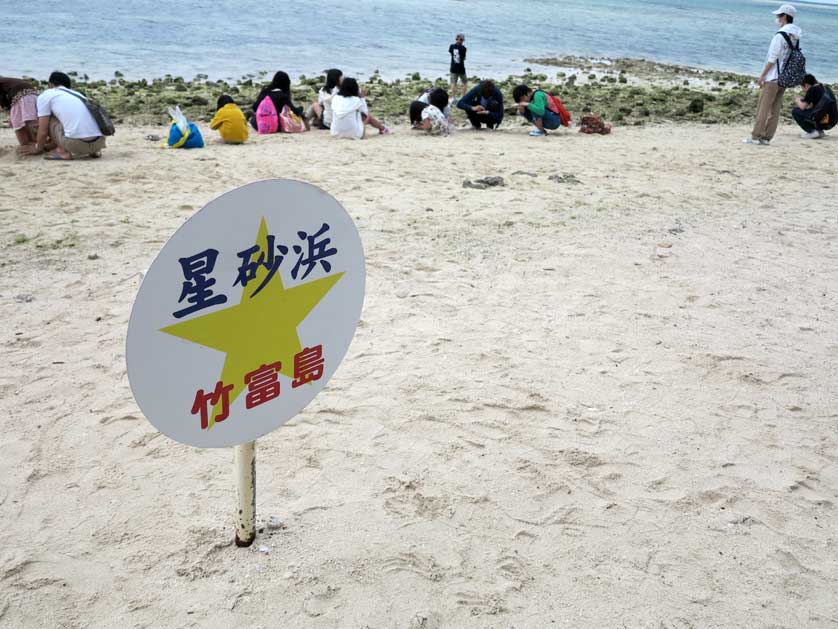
[(179, 119)]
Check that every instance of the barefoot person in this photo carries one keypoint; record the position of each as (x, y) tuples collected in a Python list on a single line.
[(350, 113), (771, 94), (20, 99), (65, 124), (817, 110)]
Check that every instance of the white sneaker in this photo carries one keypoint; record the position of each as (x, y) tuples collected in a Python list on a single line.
[(812, 135), (752, 141)]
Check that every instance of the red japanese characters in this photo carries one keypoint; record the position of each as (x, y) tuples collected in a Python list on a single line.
[(204, 402), (262, 385)]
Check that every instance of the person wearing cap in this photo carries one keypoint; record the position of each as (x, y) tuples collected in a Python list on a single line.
[(771, 94)]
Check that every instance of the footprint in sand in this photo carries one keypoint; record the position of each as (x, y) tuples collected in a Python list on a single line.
[(423, 565)]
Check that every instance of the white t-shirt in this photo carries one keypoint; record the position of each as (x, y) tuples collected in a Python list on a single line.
[(325, 99), (71, 112), (347, 116), (779, 50)]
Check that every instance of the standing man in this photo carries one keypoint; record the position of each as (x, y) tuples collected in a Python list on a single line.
[(65, 124), (771, 94), (458, 65)]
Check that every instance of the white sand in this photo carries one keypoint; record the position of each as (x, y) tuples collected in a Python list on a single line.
[(539, 421)]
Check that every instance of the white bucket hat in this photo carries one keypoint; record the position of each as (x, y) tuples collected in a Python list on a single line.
[(787, 9)]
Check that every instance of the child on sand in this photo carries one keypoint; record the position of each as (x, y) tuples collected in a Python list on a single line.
[(320, 112), (229, 121), (414, 112), (533, 105), (20, 99), (425, 97), (350, 113), (431, 116)]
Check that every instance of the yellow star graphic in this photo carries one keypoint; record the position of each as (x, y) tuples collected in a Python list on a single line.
[(259, 330)]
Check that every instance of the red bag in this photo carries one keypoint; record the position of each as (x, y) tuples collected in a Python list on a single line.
[(555, 105)]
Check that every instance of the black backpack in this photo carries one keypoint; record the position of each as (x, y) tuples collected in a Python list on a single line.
[(825, 108), (102, 118), (794, 69)]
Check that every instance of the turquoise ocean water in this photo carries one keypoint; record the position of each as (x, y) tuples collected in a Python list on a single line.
[(229, 38)]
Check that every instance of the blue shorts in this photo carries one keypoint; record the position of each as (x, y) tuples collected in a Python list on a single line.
[(550, 120)]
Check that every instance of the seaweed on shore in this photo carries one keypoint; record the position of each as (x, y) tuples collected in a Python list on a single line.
[(628, 99), (646, 70)]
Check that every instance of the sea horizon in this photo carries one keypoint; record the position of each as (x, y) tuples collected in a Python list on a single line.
[(226, 41)]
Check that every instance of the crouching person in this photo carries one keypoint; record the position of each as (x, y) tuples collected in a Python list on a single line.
[(65, 124), (431, 117), (483, 104), (535, 107), (817, 111)]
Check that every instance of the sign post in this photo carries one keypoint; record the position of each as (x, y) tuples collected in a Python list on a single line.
[(245, 493), (242, 318)]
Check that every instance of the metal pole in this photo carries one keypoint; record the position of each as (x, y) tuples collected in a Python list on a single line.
[(245, 493)]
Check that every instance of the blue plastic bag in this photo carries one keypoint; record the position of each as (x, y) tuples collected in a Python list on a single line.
[(192, 140)]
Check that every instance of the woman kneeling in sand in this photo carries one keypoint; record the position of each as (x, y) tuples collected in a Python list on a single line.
[(350, 113)]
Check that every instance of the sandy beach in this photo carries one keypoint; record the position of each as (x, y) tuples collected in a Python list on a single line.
[(602, 395)]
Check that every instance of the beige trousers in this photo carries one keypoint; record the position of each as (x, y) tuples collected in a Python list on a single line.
[(768, 111), (72, 145)]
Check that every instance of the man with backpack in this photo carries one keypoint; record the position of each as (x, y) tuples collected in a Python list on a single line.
[(65, 123), (783, 56), (817, 111), (540, 108)]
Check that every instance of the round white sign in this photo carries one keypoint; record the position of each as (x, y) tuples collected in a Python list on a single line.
[(246, 313)]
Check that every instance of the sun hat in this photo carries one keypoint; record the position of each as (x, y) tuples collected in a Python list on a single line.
[(785, 9)]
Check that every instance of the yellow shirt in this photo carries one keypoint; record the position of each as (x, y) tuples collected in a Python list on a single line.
[(230, 122)]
